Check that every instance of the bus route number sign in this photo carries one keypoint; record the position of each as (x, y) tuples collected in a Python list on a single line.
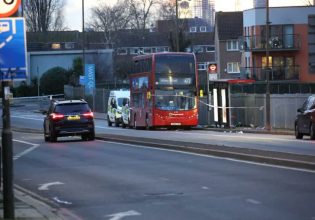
[(8, 7)]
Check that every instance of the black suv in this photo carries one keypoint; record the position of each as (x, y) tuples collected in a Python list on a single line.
[(69, 118), (305, 119)]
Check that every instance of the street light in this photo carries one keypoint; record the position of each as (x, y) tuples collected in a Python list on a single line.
[(83, 40), (267, 104), (176, 24)]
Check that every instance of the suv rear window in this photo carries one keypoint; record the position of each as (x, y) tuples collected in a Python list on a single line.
[(72, 108)]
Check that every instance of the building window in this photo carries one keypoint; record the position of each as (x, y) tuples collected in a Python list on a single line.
[(202, 66), (55, 46), (193, 29), (122, 51), (203, 29), (147, 50), (210, 48), (134, 50), (232, 45), (233, 67), (198, 49), (162, 49), (188, 49), (69, 45)]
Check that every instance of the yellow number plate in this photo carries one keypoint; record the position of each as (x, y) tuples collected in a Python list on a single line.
[(74, 117)]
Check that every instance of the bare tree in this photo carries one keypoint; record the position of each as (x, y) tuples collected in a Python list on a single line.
[(109, 19), (43, 15), (309, 2), (141, 13)]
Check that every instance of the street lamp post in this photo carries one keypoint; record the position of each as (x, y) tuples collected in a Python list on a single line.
[(176, 24), (83, 40), (267, 104)]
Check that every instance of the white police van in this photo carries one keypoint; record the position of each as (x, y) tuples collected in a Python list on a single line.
[(116, 100), (125, 115)]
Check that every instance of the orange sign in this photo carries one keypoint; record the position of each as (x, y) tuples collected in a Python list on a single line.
[(8, 7)]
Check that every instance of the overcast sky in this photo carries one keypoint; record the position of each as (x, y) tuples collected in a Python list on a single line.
[(73, 8)]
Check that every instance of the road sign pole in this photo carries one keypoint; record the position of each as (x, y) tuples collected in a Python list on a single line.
[(7, 155)]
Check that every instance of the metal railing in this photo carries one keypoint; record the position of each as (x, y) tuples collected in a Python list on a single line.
[(276, 42), (276, 73)]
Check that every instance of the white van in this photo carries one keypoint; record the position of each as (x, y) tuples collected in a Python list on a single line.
[(114, 107), (125, 114)]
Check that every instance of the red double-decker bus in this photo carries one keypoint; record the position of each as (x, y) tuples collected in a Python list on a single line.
[(164, 91)]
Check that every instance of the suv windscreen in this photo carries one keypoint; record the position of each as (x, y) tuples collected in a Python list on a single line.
[(72, 108)]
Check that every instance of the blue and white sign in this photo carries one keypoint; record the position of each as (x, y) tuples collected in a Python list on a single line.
[(12, 49), (82, 80), (89, 77)]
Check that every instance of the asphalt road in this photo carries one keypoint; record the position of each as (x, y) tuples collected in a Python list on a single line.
[(104, 180), (278, 143)]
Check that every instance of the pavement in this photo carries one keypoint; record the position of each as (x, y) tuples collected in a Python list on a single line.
[(29, 206)]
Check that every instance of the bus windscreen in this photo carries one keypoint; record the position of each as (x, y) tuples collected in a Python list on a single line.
[(175, 64), (174, 100)]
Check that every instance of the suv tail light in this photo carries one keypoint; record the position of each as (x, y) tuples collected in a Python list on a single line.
[(88, 115), (56, 116)]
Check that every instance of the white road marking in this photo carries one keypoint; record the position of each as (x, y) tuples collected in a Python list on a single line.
[(62, 201), (15, 157), (24, 142), (253, 201), (214, 157), (205, 187), (120, 215), (34, 146), (46, 186)]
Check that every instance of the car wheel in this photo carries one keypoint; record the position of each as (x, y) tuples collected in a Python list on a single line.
[(46, 138), (312, 131), (123, 125), (109, 123), (84, 137), (52, 137), (298, 135), (116, 122), (92, 136), (129, 126)]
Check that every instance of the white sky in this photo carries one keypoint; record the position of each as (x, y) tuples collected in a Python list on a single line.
[(73, 8)]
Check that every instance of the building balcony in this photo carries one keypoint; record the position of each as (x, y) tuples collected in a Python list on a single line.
[(285, 42), (277, 73)]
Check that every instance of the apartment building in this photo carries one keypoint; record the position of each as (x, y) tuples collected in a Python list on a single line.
[(290, 44), (228, 29)]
